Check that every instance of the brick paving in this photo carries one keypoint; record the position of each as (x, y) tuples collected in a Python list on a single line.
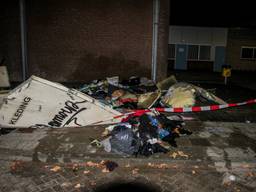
[(177, 177), (215, 150)]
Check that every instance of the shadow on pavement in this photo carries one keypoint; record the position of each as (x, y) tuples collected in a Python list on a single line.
[(126, 187)]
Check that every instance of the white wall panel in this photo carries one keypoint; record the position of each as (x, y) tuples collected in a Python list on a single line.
[(198, 35)]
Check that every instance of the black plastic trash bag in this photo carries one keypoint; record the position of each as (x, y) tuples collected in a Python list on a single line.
[(148, 149), (147, 130), (124, 141)]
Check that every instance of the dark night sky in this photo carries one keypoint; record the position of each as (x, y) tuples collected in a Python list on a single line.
[(213, 13)]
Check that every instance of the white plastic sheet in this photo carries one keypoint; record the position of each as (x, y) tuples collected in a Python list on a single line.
[(38, 102)]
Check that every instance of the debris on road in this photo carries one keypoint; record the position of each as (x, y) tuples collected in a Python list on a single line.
[(77, 186), (66, 184), (41, 103), (228, 179), (86, 172), (147, 100), (158, 166), (106, 166), (55, 168), (75, 168), (250, 174), (166, 83), (179, 95), (93, 183), (185, 94), (135, 171), (174, 155), (144, 135), (16, 165), (178, 153), (182, 154), (110, 165), (92, 164), (137, 93)]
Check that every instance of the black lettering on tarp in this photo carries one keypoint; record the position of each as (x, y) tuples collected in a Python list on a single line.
[(74, 118), (20, 111), (69, 108)]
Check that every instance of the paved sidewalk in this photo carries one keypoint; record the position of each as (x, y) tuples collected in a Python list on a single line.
[(55, 160)]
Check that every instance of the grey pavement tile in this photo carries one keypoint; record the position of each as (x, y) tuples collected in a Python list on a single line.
[(213, 149)]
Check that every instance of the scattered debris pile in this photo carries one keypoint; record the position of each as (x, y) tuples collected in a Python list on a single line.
[(122, 94), (41, 103), (143, 135), (185, 95), (142, 93), (105, 166)]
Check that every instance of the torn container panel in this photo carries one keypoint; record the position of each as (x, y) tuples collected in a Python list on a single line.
[(41, 102)]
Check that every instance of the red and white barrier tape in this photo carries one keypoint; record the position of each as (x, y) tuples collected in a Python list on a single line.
[(183, 110), (205, 108), (191, 109)]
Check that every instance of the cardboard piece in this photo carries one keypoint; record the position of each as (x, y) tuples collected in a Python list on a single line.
[(4, 78)]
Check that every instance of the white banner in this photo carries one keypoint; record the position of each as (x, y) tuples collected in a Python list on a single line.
[(41, 102)]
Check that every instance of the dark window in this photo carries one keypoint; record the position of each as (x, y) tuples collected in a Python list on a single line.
[(199, 52), (254, 53), (205, 53), (247, 53), (171, 51), (193, 52)]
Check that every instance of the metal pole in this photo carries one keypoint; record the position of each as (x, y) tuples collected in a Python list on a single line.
[(23, 33), (156, 6), (226, 80)]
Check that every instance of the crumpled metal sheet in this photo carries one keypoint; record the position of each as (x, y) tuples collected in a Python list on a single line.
[(147, 100), (166, 83), (184, 95)]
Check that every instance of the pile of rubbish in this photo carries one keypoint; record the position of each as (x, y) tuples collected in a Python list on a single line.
[(143, 135), (41, 103), (142, 93), (120, 94)]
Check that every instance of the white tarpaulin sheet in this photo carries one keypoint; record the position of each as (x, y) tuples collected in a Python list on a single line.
[(39, 102)]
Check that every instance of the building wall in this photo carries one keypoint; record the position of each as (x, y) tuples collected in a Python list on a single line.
[(163, 36), (198, 36), (84, 40), (183, 36), (10, 38), (81, 40), (236, 39)]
